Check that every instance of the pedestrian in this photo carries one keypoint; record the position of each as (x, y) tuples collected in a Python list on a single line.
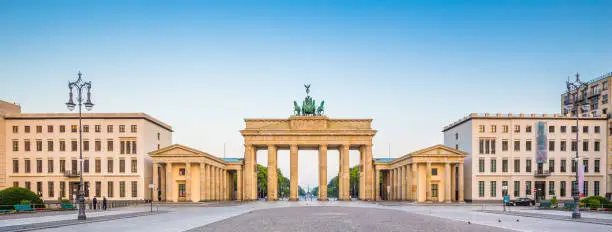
[(95, 202), (104, 203)]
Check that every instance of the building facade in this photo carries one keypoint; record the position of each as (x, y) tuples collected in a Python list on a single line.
[(40, 151), (504, 153)]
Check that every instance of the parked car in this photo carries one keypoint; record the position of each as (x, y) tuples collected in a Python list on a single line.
[(524, 201)]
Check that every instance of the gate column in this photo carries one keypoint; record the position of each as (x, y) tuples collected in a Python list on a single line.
[(293, 189), (323, 172), (272, 175)]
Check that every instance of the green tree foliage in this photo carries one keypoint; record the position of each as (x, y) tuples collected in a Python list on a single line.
[(14, 195), (262, 182), (596, 202), (301, 191), (332, 186), (315, 191)]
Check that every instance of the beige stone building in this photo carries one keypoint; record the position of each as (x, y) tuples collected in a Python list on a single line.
[(502, 151), (40, 151)]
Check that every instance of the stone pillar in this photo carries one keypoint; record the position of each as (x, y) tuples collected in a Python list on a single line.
[(392, 184), (362, 176), (460, 186), (323, 172), (225, 186), (272, 175), (249, 180), (344, 158), (239, 184), (453, 182), (169, 183), (447, 182), (428, 182), (404, 183), (409, 182), (162, 187), (396, 182), (417, 181), (293, 189), (213, 183), (219, 184), (377, 185), (155, 182), (202, 183), (187, 181), (369, 174), (208, 184)]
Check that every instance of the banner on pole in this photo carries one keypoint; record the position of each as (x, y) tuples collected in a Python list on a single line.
[(541, 143)]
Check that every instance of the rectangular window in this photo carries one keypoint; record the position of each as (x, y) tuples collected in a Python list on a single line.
[(585, 163), (505, 186), (517, 165), (110, 166), (481, 188), (134, 166), (62, 192), (15, 145), (563, 129), (434, 190), (504, 145), (505, 128), (585, 129), (62, 128), (39, 187), (481, 167), (98, 189), (122, 147), (28, 185), (133, 128), (98, 166), (121, 189), (504, 165), (563, 145), (98, 128), (85, 145), (39, 165), (26, 145), (73, 128), (528, 145), (15, 166), (62, 145), (26, 129), (551, 188), (27, 166), (596, 146), (15, 129), (597, 164), (50, 128), (134, 147), (109, 128), (73, 145), (562, 189), (528, 128), (38, 129), (134, 188), (517, 188), (517, 128), (527, 187), (481, 128), (586, 188), (62, 166), (110, 189), (39, 145), (596, 188), (574, 145), (563, 165), (50, 166), (493, 128), (517, 145), (574, 129), (551, 145), (86, 165), (122, 165), (585, 145), (574, 188), (528, 165), (493, 165), (49, 145), (121, 128), (493, 188), (109, 145), (597, 129), (98, 145), (551, 165), (85, 128), (551, 129), (15, 183), (51, 189)]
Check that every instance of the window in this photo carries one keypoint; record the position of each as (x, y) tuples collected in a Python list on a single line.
[(585, 163), (51, 190), (39, 188), (504, 165), (86, 165), (98, 166), (122, 147), (109, 145), (517, 145), (434, 171), (517, 128), (85, 145), (481, 188), (98, 189), (434, 190), (481, 163), (527, 187), (585, 145), (573, 166), (517, 188), (596, 166), (504, 145), (85, 128), (528, 128), (73, 145), (493, 128), (574, 145), (50, 128), (134, 188), (121, 188), (38, 166), (551, 129), (456, 136), (596, 188), (504, 185), (15, 166), (50, 166), (122, 165), (493, 188), (28, 185), (98, 145), (49, 145), (110, 166), (110, 189), (62, 166), (597, 129), (39, 145), (181, 190), (551, 165), (121, 128), (585, 129), (563, 145), (181, 171), (481, 128), (97, 128), (596, 146), (109, 128), (134, 166), (27, 166), (574, 129), (574, 188), (73, 128), (528, 165), (62, 192), (586, 188), (62, 128), (15, 129), (26, 145), (563, 129), (15, 145), (62, 145), (517, 165), (26, 129), (505, 128), (562, 188), (493, 165), (38, 129), (133, 128), (15, 183), (563, 165), (129, 147), (528, 145), (551, 145), (551, 188)]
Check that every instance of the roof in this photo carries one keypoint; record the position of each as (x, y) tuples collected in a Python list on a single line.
[(599, 78), (519, 116), (232, 160), (384, 160), (37, 116)]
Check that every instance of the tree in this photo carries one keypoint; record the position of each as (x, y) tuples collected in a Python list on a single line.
[(262, 182), (301, 191), (315, 191), (332, 186), (14, 195)]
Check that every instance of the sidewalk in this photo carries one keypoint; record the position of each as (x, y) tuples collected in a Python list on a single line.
[(549, 215)]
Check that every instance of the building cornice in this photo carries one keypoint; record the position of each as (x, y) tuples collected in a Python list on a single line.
[(43, 116), (519, 117)]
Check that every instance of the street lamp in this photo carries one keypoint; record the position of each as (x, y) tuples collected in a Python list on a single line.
[(79, 85), (576, 85)]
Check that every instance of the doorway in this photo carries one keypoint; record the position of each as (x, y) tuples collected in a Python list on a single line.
[(540, 193)]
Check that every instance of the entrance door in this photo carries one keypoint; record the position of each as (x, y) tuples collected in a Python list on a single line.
[(73, 190), (540, 190), (181, 192)]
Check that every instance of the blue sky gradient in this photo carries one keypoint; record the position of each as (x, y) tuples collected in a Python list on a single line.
[(203, 66)]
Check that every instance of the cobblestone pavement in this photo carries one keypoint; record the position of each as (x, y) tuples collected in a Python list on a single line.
[(553, 217), (325, 218)]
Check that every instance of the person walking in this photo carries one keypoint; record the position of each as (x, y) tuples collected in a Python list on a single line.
[(104, 203), (95, 202)]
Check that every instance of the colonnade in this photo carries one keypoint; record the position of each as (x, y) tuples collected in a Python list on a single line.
[(209, 182)]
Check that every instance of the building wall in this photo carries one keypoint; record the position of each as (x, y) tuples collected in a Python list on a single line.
[(3, 148), (461, 137)]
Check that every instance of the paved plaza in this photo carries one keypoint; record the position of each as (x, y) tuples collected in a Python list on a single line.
[(314, 216)]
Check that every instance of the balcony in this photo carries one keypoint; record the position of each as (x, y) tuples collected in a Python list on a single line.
[(541, 173), (73, 173)]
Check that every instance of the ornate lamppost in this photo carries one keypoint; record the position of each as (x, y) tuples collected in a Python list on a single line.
[(576, 86), (79, 85)]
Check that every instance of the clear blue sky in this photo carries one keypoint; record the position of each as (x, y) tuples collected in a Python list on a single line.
[(204, 66)]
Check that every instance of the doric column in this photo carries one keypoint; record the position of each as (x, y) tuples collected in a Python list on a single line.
[(447, 182), (396, 182), (322, 172), (213, 182), (419, 195), (293, 189), (428, 181), (362, 176), (249, 176), (369, 174), (272, 175), (225, 186), (202, 181), (219, 185), (377, 185), (155, 182), (460, 186), (392, 183), (239, 184), (409, 182), (187, 181), (404, 183), (344, 157), (169, 182)]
